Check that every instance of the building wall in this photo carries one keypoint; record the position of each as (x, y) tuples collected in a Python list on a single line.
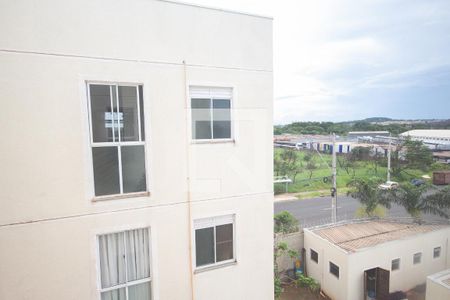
[(409, 275), (48, 51), (295, 241), (436, 289), (332, 286)]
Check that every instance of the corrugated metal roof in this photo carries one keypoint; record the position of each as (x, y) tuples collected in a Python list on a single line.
[(432, 133), (354, 236)]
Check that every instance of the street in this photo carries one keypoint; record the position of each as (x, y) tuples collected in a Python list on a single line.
[(316, 211)]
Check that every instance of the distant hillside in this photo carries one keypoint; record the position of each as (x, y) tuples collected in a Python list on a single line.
[(376, 119), (369, 124)]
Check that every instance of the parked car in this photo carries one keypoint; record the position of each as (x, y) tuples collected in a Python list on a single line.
[(388, 185), (417, 182)]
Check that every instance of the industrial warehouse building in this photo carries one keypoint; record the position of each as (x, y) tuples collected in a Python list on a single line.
[(370, 259), (96, 201)]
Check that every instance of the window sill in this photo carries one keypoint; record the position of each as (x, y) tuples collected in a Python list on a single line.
[(215, 266), (120, 196), (216, 141)]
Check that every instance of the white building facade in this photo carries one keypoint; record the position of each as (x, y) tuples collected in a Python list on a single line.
[(137, 161)]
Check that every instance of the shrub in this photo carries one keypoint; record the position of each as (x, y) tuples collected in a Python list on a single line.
[(285, 223), (308, 282)]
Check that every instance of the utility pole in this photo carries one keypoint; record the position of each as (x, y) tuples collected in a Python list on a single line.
[(333, 189), (389, 160)]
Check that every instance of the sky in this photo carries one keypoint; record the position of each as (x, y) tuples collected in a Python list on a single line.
[(339, 60)]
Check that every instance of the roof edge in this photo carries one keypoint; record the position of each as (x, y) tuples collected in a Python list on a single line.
[(217, 9)]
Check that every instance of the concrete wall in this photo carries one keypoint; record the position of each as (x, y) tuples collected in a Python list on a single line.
[(48, 51), (295, 241), (332, 286)]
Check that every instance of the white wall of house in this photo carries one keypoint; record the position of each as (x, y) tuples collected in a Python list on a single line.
[(334, 287), (436, 287), (48, 222), (351, 283)]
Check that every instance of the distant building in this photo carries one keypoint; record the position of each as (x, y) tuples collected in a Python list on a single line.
[(436, 139), (361, 134), (370, 259), (438, 286)]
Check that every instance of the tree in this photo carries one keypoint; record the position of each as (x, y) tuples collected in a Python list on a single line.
[(367, 192), (285, 222), (417, 200), (311, 166), (410, 155)]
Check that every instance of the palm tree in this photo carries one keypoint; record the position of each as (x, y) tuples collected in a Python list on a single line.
[(418, 200), (367, 192)]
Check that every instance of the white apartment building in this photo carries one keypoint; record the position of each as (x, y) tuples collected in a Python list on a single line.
[(371, 259), (136, 152)]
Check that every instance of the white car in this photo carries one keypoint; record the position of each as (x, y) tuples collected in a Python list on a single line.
[(388, 185)]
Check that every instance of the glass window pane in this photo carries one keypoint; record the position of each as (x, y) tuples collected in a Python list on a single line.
[(139, 291), (221, 119), (114, 295), (101, 113), (201, 118), (141, 107), (112, 259), (224, 242), (204, 246), (106, 170), (129, 129), (133, 169), (138, 254)]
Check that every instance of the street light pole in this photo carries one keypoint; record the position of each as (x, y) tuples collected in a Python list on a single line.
[(389, 160), (333, 189)]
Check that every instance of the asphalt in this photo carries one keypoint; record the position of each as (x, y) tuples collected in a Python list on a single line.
[(317, 211)]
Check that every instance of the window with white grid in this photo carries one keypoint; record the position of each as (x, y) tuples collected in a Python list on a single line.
[(116, 116), (125, 265)]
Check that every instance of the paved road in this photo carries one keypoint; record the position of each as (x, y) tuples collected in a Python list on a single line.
[(316, 211)]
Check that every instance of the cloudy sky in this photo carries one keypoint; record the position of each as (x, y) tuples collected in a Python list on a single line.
[(337, 60)]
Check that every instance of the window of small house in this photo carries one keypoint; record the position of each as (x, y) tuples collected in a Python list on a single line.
[(436, 252), (417, 258), (117, 138), (395, 264), (314, 255), (334, 269)]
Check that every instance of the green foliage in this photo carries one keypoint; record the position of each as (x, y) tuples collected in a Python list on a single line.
[(307, 282), (367, 192), (418, 199), (280, 249), (342, 128), (277, 287), (285, 222), (378, 211)]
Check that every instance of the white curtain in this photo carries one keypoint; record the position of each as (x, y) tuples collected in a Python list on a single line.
[(112, 264), (118, 250), (138, 263)]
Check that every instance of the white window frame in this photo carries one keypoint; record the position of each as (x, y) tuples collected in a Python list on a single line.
[(440, 251), (338, 269), (211, 93), (142, 139), (420, 258), (399, 262), (214, 222), (311, 250), (127, 284)]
